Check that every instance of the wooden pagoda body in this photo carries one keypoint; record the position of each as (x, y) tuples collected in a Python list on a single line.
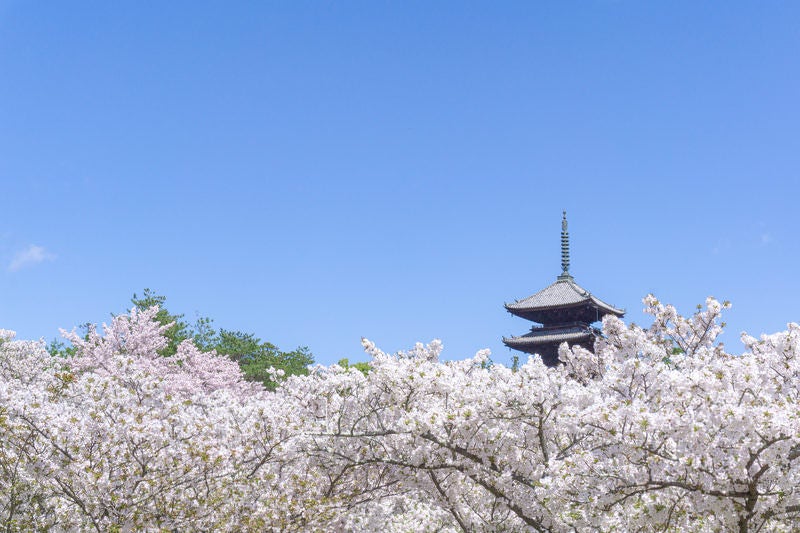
[(564, 311)]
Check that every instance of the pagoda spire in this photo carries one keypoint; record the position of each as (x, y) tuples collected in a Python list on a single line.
[(564, 249)]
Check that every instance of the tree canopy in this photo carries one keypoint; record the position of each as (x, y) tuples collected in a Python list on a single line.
[(254, 356), (636, 436)]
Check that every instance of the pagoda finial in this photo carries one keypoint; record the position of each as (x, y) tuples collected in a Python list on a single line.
[(564, 249)]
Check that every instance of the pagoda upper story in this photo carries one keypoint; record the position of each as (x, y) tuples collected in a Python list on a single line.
[(565, 310)]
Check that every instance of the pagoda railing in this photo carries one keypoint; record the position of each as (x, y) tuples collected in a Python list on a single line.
[(561, 325)]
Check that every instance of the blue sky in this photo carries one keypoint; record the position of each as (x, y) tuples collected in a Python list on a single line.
[(315, 172)]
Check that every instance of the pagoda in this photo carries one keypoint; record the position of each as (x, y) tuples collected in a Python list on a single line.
[(565, 310)]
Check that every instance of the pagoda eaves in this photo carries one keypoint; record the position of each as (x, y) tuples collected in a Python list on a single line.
[(564, 295), (576, 334)]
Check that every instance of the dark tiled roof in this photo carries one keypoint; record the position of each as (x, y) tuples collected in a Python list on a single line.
[(563, 293), (570, 334)]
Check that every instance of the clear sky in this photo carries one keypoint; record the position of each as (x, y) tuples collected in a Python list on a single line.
[(315, 172)]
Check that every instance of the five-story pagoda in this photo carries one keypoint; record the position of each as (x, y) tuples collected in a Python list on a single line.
[(565, 310)]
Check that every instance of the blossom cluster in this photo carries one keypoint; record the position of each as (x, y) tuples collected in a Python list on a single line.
[(659, 429)]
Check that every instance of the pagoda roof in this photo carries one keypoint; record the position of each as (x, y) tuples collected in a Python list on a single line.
[(538, 336), (561, 294)]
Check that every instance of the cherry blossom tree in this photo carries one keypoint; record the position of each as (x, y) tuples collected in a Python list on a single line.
[(660, 429), (638, 436), (120, 437)]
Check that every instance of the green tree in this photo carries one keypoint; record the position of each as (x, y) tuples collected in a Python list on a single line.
[(256, 357)]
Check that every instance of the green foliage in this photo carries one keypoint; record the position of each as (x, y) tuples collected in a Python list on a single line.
[(256, 357), (203, 334), (361, 366), (242, 346), (58, 348)]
